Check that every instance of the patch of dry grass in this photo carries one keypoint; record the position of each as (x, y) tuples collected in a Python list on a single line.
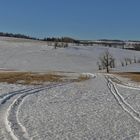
[(29, 78), (134, 76)]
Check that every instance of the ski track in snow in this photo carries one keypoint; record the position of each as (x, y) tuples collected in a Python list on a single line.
[(18, 131), (121, 101), (13, 125), (5, 97), (122, 84)]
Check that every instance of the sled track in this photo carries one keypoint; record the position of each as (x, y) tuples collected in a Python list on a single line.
[(13, 125), (121, 101), (5, 97), (121, 84)]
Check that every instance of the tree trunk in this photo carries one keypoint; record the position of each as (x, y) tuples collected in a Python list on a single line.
[(107, 69)]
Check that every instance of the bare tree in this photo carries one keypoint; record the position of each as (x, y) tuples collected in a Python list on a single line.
[(129, 60), (122, 63), (66, 45), (112, 64), (138, 61), (106, 60), (135, 60), (56, 45), (99, 66), (126, 62)]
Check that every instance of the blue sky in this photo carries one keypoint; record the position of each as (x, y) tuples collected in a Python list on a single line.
[(81, 19)]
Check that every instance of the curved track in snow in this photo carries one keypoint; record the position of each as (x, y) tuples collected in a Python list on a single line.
[(12, 124), (123, 84), (121, 101), (12, 101)]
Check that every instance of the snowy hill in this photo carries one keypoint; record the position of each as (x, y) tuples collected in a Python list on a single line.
[(29, 55)]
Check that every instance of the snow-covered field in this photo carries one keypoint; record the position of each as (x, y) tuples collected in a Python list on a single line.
[(38, 56), (96, 109)]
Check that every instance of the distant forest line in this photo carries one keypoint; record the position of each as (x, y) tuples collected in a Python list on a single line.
[(105, 42), (52, 39)]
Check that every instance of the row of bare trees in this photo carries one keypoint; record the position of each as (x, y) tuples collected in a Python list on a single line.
[(60, 45), (128, 61), (107, 61)]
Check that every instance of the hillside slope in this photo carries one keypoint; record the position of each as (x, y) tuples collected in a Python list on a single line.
[(29, 55)]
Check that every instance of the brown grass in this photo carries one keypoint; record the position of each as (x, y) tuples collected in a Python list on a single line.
[(29, 78), (134, 76)]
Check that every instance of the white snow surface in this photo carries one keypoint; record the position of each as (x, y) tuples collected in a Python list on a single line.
[(96, 109), (73, 111), (21, 55), (76, 112)]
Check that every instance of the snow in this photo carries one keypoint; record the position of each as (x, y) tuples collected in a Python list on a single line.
[(38, 56), (77, 111), (96, 109), (132, 96), (129, 68)]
